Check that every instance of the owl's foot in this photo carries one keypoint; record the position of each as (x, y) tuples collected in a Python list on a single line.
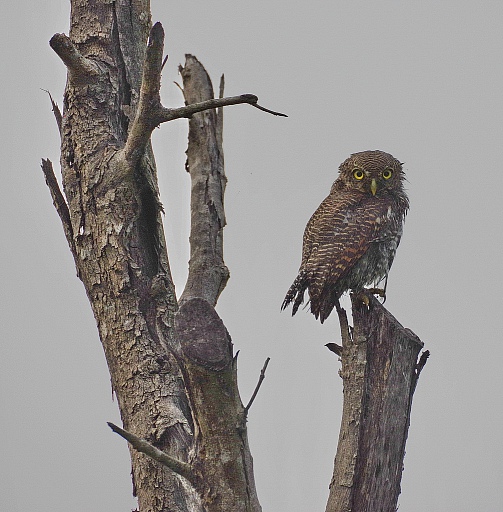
[(374, 291)]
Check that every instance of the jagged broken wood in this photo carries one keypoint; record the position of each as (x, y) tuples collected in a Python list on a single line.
[(379, 370)]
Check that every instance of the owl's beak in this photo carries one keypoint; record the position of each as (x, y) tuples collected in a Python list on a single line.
[(373, 186)]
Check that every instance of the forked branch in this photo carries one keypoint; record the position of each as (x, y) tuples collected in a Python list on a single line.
[(151, 113), (149, 105)]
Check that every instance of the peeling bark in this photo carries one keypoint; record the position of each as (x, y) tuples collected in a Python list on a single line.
[(167, 383), (118, 241)]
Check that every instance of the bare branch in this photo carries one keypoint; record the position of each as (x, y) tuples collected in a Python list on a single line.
[(333, 347), (139, 444), (149, 105), (169, 114), (56, 111), (257, 387), (59, 202), (81, 69)]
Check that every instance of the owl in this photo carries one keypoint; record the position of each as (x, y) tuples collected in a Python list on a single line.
[(351, 239)]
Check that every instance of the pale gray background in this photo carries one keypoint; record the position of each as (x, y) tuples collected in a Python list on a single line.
[(422, 80)]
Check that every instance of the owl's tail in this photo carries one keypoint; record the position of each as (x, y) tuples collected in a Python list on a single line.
[(296, 292), (323, 301)]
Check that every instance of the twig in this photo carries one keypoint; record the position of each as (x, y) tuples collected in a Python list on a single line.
[(55, 109), (179, 86), (221, 86), (139, 444), (256, 105), (257, 387), (164, 61), (59, 202), (343, 321), (220, 116), (169, 114)]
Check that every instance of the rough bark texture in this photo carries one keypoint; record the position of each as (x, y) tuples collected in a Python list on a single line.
[(223, 457), (379, 371), (111, 215), (117, 237)]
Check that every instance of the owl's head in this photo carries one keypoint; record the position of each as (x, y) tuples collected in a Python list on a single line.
[(372, 172)]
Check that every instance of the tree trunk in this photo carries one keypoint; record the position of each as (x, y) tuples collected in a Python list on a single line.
[(117, 239), (164, 362), (380, 369)]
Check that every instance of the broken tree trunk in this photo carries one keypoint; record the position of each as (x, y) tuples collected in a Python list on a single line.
[(380, 369)]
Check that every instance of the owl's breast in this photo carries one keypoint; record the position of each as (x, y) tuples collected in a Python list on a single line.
[(374, 265)]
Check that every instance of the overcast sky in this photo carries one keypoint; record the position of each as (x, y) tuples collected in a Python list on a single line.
[(421, 80)]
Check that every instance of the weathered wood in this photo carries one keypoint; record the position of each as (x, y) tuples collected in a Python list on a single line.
[(180, 407), (118, 240), (221, 453), (208, 273), (379, 371)]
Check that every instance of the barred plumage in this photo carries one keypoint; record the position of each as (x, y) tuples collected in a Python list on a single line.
[(351, 239)]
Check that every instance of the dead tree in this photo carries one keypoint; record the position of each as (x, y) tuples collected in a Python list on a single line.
[(171, 360), (380, 368), (166, 357)]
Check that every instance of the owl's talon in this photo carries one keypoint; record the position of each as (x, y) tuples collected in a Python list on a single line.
[(365, 299), (377, 291), (363, 295)]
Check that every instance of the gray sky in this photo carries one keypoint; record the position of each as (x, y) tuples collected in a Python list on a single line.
[(421, 80)]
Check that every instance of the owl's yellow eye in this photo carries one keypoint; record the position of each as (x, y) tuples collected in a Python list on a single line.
[(387, 173), (358, 174)]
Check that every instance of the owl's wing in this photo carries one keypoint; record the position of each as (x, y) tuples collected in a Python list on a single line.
[(336, 237)]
